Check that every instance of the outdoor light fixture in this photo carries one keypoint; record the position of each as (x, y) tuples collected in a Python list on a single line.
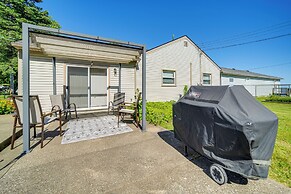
[(92, 63), (115, 72)]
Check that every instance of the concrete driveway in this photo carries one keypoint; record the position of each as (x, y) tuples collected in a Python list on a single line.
[(134, 162)]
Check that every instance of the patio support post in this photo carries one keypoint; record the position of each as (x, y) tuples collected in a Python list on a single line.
[(144, 88), (119, 78), (26, 87), (54, 76)]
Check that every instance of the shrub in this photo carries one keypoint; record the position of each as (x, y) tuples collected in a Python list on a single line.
[(185, 89), (160, 113), (6, 107), (274, 98)]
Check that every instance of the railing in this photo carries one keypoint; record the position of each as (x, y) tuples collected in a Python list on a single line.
[(270, 89)]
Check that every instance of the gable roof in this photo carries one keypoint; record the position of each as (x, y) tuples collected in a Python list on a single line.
[(246, 73), (181, 37)]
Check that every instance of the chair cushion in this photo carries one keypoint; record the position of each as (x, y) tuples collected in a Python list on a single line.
[(128, 111)]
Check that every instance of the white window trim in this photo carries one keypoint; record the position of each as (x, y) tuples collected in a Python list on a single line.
[(175, 78), (210, 76)]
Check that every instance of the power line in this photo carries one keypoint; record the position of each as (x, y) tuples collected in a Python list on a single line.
[(247, 34), (263, 67), (254, 41)]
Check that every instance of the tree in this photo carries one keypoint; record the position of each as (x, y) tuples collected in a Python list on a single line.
[(12, 14)]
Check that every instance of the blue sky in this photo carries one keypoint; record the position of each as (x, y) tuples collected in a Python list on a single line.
[(154, 22)]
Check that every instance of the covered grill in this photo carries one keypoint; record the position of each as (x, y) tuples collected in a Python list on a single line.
[(229, 126)]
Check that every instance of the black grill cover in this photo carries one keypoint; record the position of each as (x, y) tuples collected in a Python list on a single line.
[(229, 126)]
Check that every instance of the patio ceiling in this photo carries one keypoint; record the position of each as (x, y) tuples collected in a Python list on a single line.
[(67, 47)]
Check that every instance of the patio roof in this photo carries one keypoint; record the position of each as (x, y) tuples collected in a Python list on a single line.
[(75, 48), (58, 43)]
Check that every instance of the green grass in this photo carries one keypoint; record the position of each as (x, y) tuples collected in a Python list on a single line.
[(160, 113), (281, 161)]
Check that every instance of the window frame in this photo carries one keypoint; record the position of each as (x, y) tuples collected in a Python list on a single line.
[(210, 79), (162, 78)]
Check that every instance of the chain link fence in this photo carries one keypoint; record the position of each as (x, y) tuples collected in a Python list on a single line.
[(265, 90)]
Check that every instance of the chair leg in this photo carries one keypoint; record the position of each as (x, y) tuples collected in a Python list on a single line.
[(60, 123), (34, 131), (42, 135), (13, 133), (66, 115), (118, 120)]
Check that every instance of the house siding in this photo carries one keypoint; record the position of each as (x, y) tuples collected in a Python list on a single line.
[(41, 78), (256, 86), (175, 56)]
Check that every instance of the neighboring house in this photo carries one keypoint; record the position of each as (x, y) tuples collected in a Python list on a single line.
[(257, 84), (173, 65)]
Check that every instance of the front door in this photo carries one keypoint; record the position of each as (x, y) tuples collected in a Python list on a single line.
[(87, 87)]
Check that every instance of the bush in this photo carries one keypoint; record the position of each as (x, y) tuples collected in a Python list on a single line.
[(6, 107), (274, 98), (160, 113)]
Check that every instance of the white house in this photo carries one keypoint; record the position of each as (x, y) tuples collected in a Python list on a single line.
[(257, 84), (173, 65), (90, 83)]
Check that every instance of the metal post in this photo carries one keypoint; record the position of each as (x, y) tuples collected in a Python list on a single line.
[(25, 80), (54, 76), (119, 78), (144, 89)]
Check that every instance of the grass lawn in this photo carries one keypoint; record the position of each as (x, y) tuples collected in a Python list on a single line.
[(281, 161), (160, 113)]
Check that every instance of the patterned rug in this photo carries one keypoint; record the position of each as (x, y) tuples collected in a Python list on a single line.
[(92, 128)]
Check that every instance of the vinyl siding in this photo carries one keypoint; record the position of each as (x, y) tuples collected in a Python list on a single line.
[(174, 56), (41, 78), (256, 86)]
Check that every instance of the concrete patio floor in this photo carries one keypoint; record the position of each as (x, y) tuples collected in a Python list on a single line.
[(134, 162)]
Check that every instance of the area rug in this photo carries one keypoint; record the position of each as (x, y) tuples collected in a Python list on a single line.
[(92, 128)]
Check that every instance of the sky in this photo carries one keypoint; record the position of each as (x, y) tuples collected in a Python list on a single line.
[(211, 24)]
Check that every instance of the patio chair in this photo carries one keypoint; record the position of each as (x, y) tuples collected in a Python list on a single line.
[(58, 102), (131, 109), (118, 99), (37, 117)]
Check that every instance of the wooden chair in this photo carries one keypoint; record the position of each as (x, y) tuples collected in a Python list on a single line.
[(37, 117), (58, 102), (118, 99), (131, 109)]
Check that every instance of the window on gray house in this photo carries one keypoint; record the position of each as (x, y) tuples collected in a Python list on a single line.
[(206, 78), (231, 79), (169, 77)]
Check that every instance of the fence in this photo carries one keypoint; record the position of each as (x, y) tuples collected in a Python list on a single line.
[(272, 89)]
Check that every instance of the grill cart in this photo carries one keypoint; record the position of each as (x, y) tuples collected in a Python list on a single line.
[(227, 125)]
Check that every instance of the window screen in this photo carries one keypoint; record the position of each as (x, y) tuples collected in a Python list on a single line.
[(168, 77)]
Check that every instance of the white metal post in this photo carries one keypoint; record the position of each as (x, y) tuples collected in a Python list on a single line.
[(25, 80), (144, 89)]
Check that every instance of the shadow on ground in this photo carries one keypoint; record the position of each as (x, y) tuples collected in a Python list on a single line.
[(200, 161)]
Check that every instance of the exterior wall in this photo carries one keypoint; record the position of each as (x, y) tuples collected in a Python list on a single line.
[(175, 56), (41, 78), (127, 81), (256, 86)]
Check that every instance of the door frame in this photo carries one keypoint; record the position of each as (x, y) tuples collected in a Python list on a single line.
[(89, 84)]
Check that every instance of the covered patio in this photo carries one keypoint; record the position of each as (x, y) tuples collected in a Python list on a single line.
[(95, 50)]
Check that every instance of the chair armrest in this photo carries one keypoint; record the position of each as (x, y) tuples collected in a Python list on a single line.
[(55, 106), (52, 112), (75, 107)]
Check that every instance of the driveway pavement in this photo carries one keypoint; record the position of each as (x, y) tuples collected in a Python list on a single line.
[(134, 162)]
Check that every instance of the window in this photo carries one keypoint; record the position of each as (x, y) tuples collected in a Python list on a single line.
[(185, 43), (169, 77), (231, 79), (206, 78)]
